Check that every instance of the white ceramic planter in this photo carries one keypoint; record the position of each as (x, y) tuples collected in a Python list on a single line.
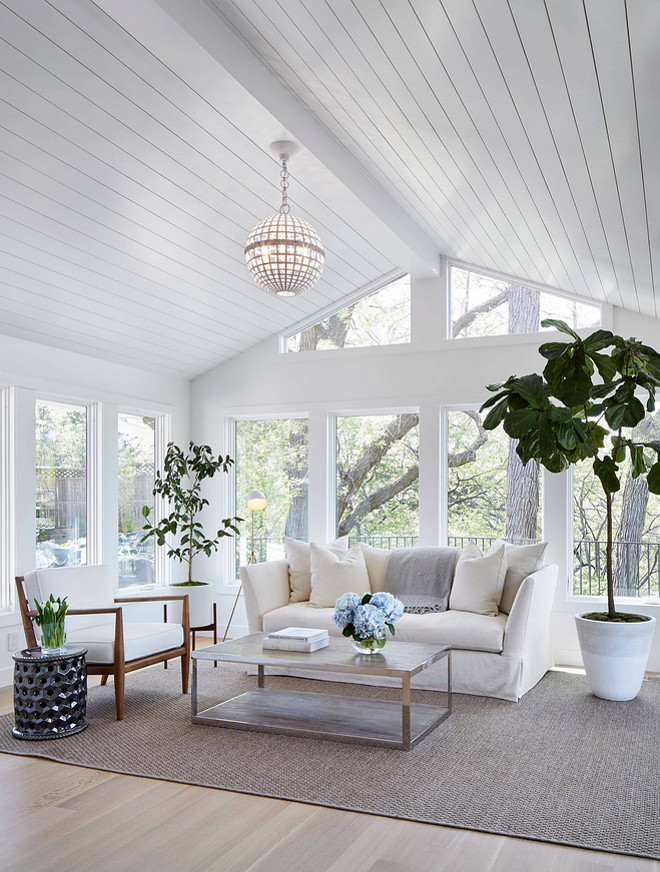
[(615, 656), (200, 604)]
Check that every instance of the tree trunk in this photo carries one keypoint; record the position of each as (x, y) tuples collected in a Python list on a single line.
[(629, 536), (297, 477), (522, 495)]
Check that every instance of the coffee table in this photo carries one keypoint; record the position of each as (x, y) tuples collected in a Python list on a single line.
[(328, 715)]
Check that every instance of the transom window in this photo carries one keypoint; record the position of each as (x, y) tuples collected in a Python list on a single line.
[(483, 305), (381, 318)]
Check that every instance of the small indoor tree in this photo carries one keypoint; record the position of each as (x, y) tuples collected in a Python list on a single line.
[(180, 485), (578, 409)]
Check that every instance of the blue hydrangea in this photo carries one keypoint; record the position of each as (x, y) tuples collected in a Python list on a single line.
[(369, 621), (345, 609), (391, 607)]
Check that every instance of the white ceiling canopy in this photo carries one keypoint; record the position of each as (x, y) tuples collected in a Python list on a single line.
[(519, 135)]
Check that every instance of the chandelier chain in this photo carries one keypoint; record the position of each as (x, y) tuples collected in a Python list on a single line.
[(284, 176)]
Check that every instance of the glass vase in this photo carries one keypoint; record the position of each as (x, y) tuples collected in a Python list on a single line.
[(371, 645), (53, 638)]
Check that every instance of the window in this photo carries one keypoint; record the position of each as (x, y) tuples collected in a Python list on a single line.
[(136, 461), (635, 523), (381, 318), (6, 499), (490, 494), (377, 499), (482, 305), (271, 456), (61, 499)]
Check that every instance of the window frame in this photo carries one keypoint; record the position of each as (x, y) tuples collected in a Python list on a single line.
[(7, 500), (604, 309), (229, 490), (94, 470), (364, 291)]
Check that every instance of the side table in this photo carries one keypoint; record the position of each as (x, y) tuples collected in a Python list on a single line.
[(50, 693)]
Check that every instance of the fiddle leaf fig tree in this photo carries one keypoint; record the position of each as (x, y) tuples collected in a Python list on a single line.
[(583, 407), (180, 485)]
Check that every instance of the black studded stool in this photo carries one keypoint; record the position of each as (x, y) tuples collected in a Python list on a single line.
[(50, 693)]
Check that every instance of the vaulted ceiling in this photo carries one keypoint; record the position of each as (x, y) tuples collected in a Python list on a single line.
[(519, 135)]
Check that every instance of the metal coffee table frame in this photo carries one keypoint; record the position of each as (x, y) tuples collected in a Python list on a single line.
[(325, 715)]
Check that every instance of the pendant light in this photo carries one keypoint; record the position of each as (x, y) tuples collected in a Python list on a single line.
[(284, 254)]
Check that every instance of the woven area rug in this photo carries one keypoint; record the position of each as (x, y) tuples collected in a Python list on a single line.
[(559, 766)]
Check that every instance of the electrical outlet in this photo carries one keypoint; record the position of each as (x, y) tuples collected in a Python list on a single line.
[(12, 640)]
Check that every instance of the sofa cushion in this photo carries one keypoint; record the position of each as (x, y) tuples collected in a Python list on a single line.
[(300, 572), (376, 560), (140, 640), (521, 561), (478, 580), (462, 630), (336, 574)]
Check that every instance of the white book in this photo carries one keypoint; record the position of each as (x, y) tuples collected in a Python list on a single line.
[(295, 645), (299, 634)]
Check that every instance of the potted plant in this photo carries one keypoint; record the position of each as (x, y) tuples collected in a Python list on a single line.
[(180, 485), (583, 407), (50, 619)]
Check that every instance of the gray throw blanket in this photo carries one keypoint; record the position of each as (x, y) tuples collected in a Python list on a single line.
[(421, 578)]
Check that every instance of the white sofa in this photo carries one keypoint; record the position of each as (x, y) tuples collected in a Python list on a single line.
[(501, 656)]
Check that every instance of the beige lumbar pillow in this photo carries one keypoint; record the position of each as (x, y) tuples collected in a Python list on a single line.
[(521, 561), (376, 560), (336, 574), (300, 570), (478, 580)]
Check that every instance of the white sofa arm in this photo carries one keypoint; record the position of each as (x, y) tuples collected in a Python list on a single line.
[(266, 587), (529, 620)]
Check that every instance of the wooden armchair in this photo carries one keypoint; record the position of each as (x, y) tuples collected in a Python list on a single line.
[(114, 647)]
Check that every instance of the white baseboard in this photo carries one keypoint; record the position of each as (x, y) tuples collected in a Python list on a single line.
[(6, 676)]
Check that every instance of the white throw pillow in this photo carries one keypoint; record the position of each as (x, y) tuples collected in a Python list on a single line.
[(300, 571), (336, 574), (478, 580), (521, 561), (376, 560)]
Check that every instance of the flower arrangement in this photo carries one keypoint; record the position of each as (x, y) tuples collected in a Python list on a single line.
[(50, 618), (366, 618)]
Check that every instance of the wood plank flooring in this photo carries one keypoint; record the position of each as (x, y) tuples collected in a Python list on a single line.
[(60, 818)]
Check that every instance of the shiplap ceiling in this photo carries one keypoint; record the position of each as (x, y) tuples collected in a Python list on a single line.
[(519, 135)]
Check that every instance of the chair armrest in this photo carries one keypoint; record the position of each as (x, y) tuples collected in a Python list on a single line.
[(266, 587), (149, 599), (529, 620), (108, 611), (185, 610)]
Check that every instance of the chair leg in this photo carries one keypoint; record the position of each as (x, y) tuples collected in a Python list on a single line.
[(119, 693), (104, 680), (185, 671)]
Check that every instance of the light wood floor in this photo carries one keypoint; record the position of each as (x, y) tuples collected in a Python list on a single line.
[(59, 818)]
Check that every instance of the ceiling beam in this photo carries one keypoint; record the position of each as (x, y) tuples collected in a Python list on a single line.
[(406, 242)]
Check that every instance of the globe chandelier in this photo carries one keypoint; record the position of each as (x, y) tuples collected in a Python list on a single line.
[(284, 254)]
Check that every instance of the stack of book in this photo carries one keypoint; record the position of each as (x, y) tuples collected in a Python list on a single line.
[(297, 639)]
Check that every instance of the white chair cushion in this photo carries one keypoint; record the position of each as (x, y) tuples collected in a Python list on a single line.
[(463, 630), (140, 640), (300, 570), (336, 574), (86, 587), (478, 580)]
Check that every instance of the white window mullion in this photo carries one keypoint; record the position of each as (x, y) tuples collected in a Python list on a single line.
[(162, 435), (94, 485), (7, 491)]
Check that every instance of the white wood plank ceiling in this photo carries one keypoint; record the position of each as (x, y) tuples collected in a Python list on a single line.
[(514, 134)]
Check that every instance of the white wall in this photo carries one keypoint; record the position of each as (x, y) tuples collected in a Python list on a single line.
[(36, 370), (430, 373)]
